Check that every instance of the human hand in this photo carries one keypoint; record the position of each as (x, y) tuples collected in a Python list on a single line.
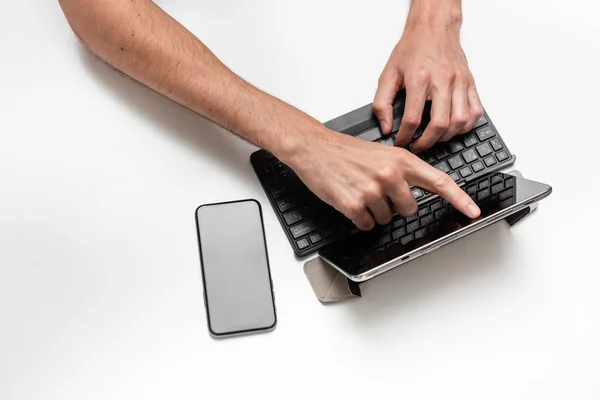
[(430, 64), (368, 181)]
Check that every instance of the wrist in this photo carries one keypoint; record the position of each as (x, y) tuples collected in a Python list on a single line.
[(296, 145), (435, 14)]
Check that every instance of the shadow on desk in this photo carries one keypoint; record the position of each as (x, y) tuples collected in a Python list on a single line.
[(189, 129), (482, 259)]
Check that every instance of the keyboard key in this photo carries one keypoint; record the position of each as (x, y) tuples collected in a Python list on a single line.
[(472, 189), (315, 238), (426, 220), (455, 146), (412, 226), (442, 167), (278, 165), (436, 206), (429, 157), (302, 244), (294, 216), (496, 145), (496, 178), (481, 121), (454, 177), (485, 133), (470, 140), (497, 187), (399, 223), (285, 205), (482, 194), (411, 219), (441, 152), (398, 233), (423, 211), (327, 233), (455, 162), (420, 233), (302, 229), (502, 156), (405, 239), (287, 174), (484, 184), (385, 228), (465, 172), (509, 182), (388, 141), (484, 150), (383, 240), (489, 161), (417, 193), (505, 194), (440, 213), (278, 192), (470, 156), (371, 135), (477, 166), (434, 227)]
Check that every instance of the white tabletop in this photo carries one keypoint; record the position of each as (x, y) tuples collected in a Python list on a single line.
[(100, 286)]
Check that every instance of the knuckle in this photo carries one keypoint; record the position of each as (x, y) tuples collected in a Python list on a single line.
[(477, 111), (371, 192), (441, 124), (421, 76), (353, 208), (440, 181), (399, 159), (447, 73), (411, 120), (460, 120), (387, 174), (378, 106)]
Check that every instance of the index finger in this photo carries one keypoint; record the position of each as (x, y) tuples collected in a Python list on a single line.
[(429, 178)]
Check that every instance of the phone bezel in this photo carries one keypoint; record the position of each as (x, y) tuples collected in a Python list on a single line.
[(204, 286)]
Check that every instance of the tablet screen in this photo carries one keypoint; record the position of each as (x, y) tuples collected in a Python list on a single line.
[(435, 221)]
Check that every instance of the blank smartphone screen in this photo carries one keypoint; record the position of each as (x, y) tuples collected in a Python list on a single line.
[(235, 268)]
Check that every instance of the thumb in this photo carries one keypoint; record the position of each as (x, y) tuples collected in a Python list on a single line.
[(387, 88)]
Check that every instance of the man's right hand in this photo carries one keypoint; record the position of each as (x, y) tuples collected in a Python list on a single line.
[(363, 179)]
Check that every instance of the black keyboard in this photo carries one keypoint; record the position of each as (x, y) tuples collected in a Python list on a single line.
[(310, 223), (496, 189)]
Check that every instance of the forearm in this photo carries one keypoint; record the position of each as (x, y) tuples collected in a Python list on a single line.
[(445, 14), (141, 40)]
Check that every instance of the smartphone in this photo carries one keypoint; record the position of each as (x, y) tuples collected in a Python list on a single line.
[(236, 276), (364, 255)]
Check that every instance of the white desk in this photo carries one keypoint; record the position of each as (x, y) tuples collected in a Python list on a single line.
[(100, 287)]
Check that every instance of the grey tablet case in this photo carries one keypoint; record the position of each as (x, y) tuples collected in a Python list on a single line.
[(331, 286)]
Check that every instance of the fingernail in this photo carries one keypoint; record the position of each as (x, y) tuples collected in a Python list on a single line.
[(473, 211)]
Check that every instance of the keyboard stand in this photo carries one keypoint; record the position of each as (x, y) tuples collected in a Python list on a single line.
[(331, 286)]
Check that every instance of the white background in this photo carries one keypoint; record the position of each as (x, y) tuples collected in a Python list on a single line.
[(100, 287)]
